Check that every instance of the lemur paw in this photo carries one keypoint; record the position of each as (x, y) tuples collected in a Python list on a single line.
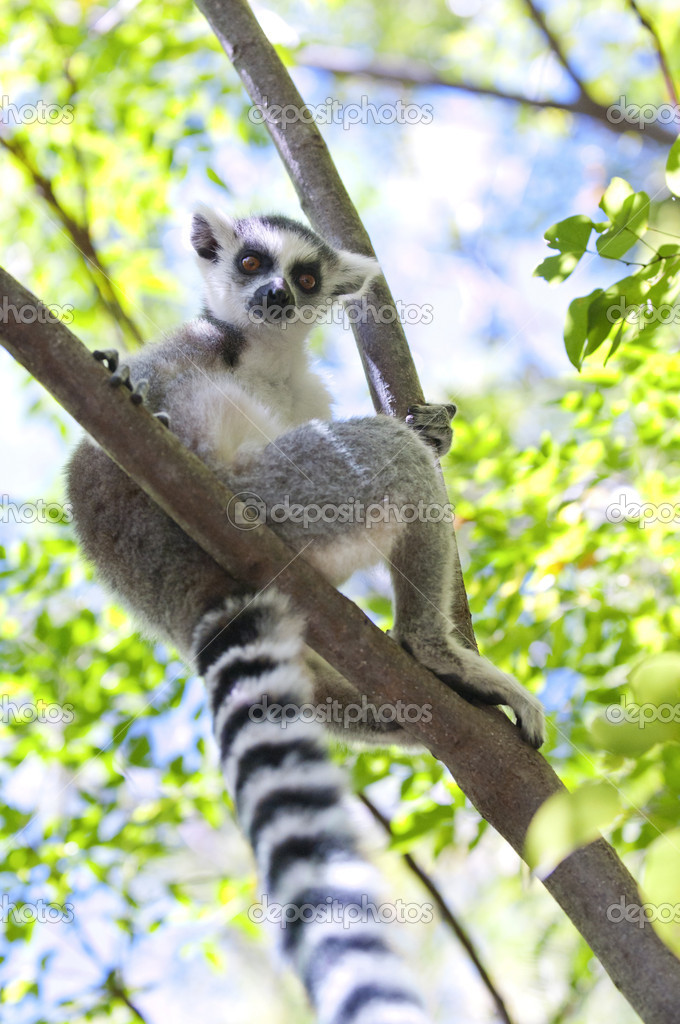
[(433, 423), (108, 356), (120, 374), (479, 681)]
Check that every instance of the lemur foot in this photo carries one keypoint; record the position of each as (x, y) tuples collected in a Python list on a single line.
[(433, 423), (479, 681), (120, 374)]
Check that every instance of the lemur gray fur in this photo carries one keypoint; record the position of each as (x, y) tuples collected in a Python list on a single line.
[(237, 387)]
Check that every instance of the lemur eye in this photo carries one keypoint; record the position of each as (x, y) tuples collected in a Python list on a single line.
[(250, 264), (307, 282)]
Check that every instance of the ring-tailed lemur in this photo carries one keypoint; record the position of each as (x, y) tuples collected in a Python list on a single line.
[(236, 386)]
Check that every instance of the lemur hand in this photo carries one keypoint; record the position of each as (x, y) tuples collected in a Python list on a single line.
[(120, 375)]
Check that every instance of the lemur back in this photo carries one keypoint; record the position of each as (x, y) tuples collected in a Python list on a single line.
[(237, 387)]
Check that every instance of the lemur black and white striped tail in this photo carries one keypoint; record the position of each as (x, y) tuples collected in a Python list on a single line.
[(290, 800)]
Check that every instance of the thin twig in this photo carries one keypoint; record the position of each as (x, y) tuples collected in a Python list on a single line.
[(115, 987), (81, 238), (77, 152), (555, 44), (344, 61), (447, 914), (113, 984), (665, 68)]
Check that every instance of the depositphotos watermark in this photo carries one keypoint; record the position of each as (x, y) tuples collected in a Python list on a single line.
[(644, 913), (12, 713), (335, 712), (39, 912), (346, 114), (35, 113), (643, 314), (329, 312), (642, 714), (246, 510), (34, 511), (334, 911), (643, 114), (642, 513), (30, 314)]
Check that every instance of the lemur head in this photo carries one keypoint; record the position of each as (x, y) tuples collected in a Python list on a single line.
[(269, 272)]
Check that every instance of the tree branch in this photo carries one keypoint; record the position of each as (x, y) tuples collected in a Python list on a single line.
[(345, 61), (554, 43), (113, 985), (505, 779), (81, 238), (665, 69), (444, 909), (384, 351)]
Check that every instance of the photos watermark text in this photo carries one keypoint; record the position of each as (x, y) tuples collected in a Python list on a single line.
[(246, 510), (332, 111), (334, 911), (38, 511), (335, 712)]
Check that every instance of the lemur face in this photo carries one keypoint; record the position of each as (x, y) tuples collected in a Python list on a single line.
[(270, 272)]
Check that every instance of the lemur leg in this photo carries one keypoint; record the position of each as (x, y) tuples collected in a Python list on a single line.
[(322, 472)]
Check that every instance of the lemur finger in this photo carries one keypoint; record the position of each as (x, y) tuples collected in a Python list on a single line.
[(109, 356), (121, 376), (139, 392), (163, 417)]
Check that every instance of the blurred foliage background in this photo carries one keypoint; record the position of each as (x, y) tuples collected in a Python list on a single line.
[(112, 806)]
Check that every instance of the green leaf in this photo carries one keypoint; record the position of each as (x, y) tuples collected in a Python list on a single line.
[(673, 168), (555, 269), (661, 887), (614, 198), (615, 343), (629, 217), (570, 236), (576, 327), (214, 176), (567, 821)]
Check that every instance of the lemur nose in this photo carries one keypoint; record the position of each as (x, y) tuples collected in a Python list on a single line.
[(278, 296)]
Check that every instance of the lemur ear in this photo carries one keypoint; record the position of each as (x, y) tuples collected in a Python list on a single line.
[(354, 273), (210, 230)]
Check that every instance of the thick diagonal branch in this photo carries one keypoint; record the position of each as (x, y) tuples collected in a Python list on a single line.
[(505, 779)]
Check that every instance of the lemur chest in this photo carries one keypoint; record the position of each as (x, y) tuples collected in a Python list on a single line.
[(241, 411)]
